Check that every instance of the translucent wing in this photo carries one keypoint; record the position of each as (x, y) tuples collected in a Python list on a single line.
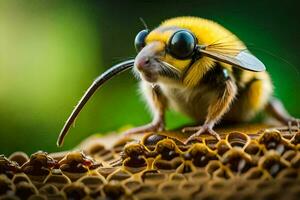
[(244, 59)]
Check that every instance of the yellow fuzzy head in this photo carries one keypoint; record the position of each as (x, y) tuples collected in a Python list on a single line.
[(206, 33)]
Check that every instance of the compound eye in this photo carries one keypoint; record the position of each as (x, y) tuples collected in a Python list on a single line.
[(139, 41), (182, 44)]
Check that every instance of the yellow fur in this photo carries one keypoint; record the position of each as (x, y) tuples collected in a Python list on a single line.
[(207, 32), (260, 91)]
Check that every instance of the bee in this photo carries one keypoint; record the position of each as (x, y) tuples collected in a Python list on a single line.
[(196, 67)]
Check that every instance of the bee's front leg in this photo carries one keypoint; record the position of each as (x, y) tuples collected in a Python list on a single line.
[(218, 107), (157, 103)]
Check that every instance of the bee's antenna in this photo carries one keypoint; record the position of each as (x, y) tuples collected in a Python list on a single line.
[(100, 80), (144, 23)]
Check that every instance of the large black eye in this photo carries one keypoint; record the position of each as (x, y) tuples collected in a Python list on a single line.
[(182, 44), (139, 41)]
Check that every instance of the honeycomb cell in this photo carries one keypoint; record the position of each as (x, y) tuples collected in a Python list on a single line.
[(114, 190), (92, 182), (58, 179), (6, 185), (76, 191), (256, 173), (177, 177), (7, 167), (222, 147), (237, 139), (272, 139), (38, 167), (49, 190), (237, 160), (190, 187), (273, 163), (146, 189), (134, 157), (24, 190), (200, 155), (132, 185), (153, 176), (200, 175), (119, 175), (19, 157), (76, 164), (20, 177)]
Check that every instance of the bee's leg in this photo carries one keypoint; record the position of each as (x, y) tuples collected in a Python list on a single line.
[(276, 109), (157, 103), (218, 107)]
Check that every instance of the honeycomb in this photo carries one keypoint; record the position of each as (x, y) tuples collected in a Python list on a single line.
[(260, 165)]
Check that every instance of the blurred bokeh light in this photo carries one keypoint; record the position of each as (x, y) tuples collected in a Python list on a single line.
[(50, 51)]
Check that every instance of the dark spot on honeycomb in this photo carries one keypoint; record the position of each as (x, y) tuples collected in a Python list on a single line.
[(77, 163), (6, 185), (289, 155), (96, 194), (119, 175), (24, 190), (253, 148), (185, 168), (75, 191), (146, 188), (105, 171), (153, 176), (201, 155), (48, 189), (113, 191), (92, 182), (132, 185), (237, 160), (212, 166), (222, 147), (134, 156), (162, 164), (20, 178), (273, 164), (153, 139), (167, 149), (135, 163), (222, 173), (59, 180), (272, 139)]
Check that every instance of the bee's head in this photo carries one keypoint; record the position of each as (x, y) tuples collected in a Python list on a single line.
[(164, 53)]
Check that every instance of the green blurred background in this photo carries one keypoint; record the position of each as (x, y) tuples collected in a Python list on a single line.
[(50, 51)]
